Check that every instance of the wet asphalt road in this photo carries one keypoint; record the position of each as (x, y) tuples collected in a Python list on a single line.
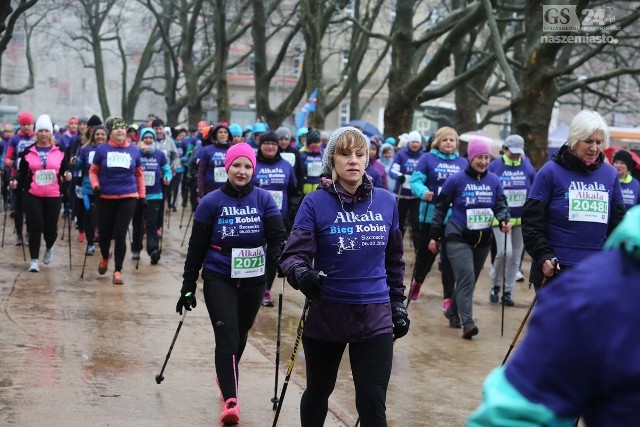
[(84, 352)]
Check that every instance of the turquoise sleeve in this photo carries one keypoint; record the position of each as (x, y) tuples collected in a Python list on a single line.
[(166, 171), (503, 405), (418, 181)]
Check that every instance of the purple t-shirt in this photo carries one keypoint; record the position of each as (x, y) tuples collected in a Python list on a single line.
[(237, 223), (516, 182), (354, 242), (630, 193), (275, 177), (152, 168), (473, 200), (213, 158), (117, 168), (578, 208)]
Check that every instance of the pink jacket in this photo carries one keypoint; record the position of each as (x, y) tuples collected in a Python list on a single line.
[(38, 180)]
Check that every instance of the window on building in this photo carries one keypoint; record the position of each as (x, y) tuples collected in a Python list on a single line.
[(251, 63), (344, 113)]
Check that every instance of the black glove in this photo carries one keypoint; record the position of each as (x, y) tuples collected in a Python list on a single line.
[(401, 179), (311, 283), (279, 272), (143, 202), (97, 192), (187, 299), (400, 319)]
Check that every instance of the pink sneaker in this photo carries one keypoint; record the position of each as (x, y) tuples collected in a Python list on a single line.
[(415, 290), (230, 412), (81, 237), (446, 304)]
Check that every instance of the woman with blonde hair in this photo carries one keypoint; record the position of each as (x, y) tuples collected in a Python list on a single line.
[(442, 161)]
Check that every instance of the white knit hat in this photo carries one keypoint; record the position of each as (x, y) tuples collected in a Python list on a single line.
[(327, 157), (44, 122)]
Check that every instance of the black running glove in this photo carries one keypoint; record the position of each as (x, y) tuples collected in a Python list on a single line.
[(97, 192), (187, 298), (311, 283), (400, 319), (401, 179)]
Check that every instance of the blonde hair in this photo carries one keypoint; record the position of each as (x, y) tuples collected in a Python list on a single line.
[(348, 140), (440, 135)]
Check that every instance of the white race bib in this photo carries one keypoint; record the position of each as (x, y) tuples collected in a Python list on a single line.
[(149, 178), (516, 198), (277, 197), (118, 160), (45, 177), (479, 219), (247, 262), (219, 174), (289, 157), (589, 206), (407, 183), (90, 157), (314, 168)]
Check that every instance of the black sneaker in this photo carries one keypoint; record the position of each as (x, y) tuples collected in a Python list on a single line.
[(506, 299), (470, 330), (494, 294), (155, 257), (135, 255)]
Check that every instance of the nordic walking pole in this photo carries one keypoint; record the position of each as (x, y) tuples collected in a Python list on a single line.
[(24, 254), (69, 239), (292, 360), (84, 262), (181, 218), (275, 399), (526, 316), (4, 224), (504, 280), (186, 229), (64, 227), (160, 377)]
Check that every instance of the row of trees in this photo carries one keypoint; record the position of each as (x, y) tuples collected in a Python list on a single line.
[(494, 47)]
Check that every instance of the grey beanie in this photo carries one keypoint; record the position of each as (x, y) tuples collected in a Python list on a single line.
[(327, 157), (283, 132)]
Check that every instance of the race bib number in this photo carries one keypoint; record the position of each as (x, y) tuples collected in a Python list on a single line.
[(247, 262), (289, 157), (314, 169), (277, 197), (45, 177), (589, 206), (516, 198), (149, 178), (118, 160), (219, 174), (90, 157), (479, 219)]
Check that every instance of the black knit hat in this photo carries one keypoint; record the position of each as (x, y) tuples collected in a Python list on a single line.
[(313, 136), (625, 157), (269, 136), (94, 121)]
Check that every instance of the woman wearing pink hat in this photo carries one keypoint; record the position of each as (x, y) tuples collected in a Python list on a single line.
[(475, 196), (231, 227)]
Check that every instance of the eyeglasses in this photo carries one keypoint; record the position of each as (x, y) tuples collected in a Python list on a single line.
[(269, 143)]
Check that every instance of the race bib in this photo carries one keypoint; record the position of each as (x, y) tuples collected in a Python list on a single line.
[(589, 206), (289, 157), (219, 174), (45, 177), (479, 219), (247, 262), (90, 157), (78, 192), (314, 169), (277, 197), (149, 178), (516, 198), (407, 183), (118, 160)]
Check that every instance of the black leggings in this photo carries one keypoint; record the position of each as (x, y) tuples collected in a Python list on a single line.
[(42, 219), (90, 219), (114, 218), (232, 310), (410, 208), (371, 362), (150, 216), (425, 259)]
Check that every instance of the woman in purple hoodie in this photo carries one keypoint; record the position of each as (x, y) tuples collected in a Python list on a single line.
[(345, 255)]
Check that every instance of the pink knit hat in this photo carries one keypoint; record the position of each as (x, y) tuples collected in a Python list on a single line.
[(477, 147), (239, 150)]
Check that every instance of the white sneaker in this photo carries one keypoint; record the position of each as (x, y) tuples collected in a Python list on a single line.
[(34, 266), (47, 255), (519, 276)]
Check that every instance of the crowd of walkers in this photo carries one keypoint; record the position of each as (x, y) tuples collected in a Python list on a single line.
[(326, 211)]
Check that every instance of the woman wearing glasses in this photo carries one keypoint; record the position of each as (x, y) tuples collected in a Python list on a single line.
[(117, 180), (575, 201)]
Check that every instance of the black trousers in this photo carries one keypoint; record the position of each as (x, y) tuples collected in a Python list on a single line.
[(42, 219), (410, 209), (425, 259), (114, 217), (232, 310), (90, 219), (371, 362), (147, 219)]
